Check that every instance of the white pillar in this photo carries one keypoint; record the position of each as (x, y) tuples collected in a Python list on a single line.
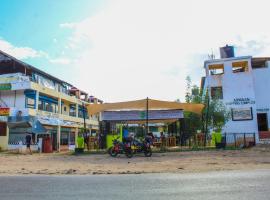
[(58, 137), (59, 105), (76, 136), (36, 100)]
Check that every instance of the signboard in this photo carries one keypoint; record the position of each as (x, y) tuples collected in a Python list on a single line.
[(263, 110), (241, 101), (4, 111), (141, 115), (242, 114), (5, 86)]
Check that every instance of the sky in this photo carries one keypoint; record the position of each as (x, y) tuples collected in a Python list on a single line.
[(120, 50)]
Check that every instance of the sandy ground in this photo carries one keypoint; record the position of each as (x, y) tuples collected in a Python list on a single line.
[(177, 162)]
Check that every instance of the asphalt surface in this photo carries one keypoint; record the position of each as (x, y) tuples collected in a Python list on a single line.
[(211, 185)]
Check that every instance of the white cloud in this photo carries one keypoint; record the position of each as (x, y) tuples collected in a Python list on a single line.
[(19, 52), (134, 49), (67, 25), (61, 61)]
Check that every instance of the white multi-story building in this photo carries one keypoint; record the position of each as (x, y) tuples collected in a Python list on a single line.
[(242, 83), (32, 98)]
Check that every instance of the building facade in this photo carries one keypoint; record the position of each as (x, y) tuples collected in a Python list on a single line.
[(242, 83), (32, 98)]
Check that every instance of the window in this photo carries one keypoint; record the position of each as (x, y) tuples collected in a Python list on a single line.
[(54, 108), (216, 93), (216, 69), (258, 63), (240, 66), (30, 102), (40, 105), (47, 106), (82, 112), (72, 110)]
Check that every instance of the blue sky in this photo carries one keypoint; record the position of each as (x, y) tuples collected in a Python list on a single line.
[(35, 24), (122, 50)]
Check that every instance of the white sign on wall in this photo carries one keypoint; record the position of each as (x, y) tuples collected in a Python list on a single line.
[(241, 101), (141, 115), (242, 114)]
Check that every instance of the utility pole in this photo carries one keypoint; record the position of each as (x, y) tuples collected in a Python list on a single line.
[(206, 118)]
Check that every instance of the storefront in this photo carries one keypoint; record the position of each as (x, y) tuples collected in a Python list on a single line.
[(116, 117)]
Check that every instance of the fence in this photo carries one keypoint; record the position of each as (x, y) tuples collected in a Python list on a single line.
[(240, 140), (21, 147), (236, 140)]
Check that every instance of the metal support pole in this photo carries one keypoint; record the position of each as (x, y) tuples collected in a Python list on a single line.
[(225, 139), (234, 139), (179, 142), (254, 139), (84, 124), (146, 132), (245, 140)]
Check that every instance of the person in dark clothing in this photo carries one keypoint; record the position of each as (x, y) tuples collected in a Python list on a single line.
[(150, 137), (86, 140), (28, 139)]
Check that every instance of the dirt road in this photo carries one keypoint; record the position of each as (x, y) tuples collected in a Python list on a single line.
[(178, 162)]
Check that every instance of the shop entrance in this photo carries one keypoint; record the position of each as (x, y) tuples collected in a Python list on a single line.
[(262, 121)]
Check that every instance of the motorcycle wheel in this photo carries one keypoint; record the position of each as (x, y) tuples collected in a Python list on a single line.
[(148, 153), (112, 152), (129, 153)]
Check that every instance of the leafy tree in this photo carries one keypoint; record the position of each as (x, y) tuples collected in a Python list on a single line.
[(218, 114), (188, 89), (214, 115)]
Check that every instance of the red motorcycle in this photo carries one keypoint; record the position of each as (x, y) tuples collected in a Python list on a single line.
[(120, 148)]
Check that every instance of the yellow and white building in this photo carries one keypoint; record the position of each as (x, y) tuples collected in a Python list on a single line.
[(29, 96)]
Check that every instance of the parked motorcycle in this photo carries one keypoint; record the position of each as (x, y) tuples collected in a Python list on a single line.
[(120, 148), (142, 147)]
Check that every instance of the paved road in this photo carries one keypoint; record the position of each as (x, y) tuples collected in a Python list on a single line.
[(214, 185)]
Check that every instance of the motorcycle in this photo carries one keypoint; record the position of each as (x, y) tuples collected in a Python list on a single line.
[(142, 147), (120, 148)]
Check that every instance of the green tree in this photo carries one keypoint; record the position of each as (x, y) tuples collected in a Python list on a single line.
[(188, 89), (214, 115), (218, 114)]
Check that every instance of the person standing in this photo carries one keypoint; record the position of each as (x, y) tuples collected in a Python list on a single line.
[(28, 139), (86, 140), (163, 141)]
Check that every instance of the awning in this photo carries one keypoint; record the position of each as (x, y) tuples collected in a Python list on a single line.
[(33, 125), (38, 128), (22, 124), (141, 105)]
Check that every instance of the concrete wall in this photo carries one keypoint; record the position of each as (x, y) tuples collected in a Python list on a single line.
[(4, 141), (13, 98), (262, 86), (236, 85)]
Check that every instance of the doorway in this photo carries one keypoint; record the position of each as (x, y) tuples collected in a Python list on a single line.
[(262, 121)]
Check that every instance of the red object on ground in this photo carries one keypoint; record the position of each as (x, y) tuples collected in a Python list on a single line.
[(47, 145), (264, 135)]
